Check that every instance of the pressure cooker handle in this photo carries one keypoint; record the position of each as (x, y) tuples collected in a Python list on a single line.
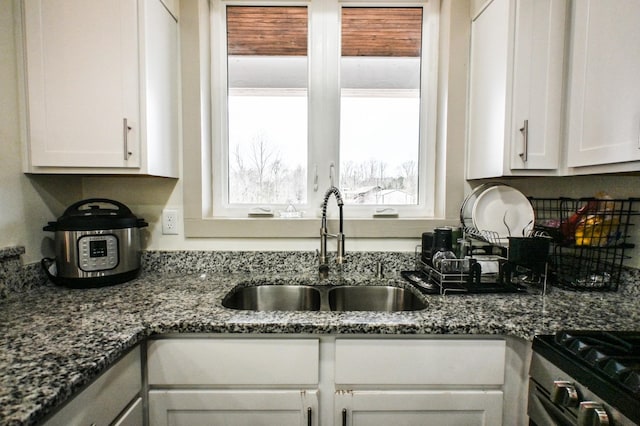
[(75, 207)]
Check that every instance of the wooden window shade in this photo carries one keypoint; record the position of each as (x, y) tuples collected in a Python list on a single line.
[(282, 31), (267, 30), (381, 31)]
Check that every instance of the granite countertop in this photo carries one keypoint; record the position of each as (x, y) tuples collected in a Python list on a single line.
[(56, 340)]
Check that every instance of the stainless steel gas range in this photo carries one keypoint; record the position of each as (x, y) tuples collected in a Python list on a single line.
[(585, 378)]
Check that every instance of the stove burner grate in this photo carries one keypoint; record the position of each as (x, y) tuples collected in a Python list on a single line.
[(614, 355)]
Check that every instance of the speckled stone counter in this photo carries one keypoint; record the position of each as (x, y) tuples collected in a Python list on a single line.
[(14, 276), (55, 340)]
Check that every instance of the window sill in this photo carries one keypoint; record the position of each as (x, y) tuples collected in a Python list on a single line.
[(309, 227)]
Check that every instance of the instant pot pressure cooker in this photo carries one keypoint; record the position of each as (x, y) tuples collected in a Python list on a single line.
[(97, 243)]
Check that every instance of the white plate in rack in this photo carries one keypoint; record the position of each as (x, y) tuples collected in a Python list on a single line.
[(504, 212), (466, 211)]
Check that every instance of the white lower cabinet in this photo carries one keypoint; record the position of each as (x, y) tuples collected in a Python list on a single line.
[(325, 381), (434, 362), (418, 408), (233, 407), (419, 382), (233, 381), (233, 361), (115, 391)]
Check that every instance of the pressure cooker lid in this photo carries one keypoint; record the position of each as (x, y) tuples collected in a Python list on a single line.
[(96, 214)]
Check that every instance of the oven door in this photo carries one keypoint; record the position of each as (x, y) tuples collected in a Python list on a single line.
[(543, 412)]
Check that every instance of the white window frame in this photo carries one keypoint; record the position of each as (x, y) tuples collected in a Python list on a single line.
[(323, 111), (198, 126)]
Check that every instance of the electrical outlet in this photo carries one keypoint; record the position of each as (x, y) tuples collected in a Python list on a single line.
[(170, 222)]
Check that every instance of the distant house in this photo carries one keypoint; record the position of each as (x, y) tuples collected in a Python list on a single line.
[(394, 196), (376, 195)]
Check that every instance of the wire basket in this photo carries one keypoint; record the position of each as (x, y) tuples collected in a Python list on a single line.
[(590, 239)]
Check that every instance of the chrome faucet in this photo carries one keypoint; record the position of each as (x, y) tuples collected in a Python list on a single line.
[(322, 257)]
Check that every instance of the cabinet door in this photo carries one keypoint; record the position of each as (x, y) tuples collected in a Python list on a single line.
[(418, 408), (233, 407), (538, 68), (104, 399), (516, 77), (488, 91), (82, 77), (159, 91), (604, 103)]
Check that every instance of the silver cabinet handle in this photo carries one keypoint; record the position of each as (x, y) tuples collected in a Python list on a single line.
[(309, 416), (344, 417), (125, 138), (525, 134), (564, 393), (592, 414)]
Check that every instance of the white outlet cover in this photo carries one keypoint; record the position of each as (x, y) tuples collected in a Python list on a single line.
[(170, 222)]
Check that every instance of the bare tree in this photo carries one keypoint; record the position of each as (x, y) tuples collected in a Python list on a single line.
[(348, 172), (237, 156), (299, 183), (408, 168), (277, 169), (260, 157), (239, 176), (382, 166), (408, 171)]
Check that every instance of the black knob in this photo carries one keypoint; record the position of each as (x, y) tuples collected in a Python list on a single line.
[(565, 394), (592, 414)]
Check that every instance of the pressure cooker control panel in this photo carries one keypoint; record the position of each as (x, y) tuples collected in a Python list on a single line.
[(97, 252)]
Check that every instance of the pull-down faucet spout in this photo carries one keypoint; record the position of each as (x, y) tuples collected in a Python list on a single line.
[(324, 267)]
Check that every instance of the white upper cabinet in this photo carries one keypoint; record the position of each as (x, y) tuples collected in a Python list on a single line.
[(604, 88), (515, 88), (102, 87)]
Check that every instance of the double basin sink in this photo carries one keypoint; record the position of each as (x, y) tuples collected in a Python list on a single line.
[(377, 298)]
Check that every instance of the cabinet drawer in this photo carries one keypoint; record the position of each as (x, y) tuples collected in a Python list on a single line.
[(233, 361), (105, 398), (420, 362)]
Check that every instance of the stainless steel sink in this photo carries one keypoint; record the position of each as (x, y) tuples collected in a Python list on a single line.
[(374, 298), (269, 297), (274, 298)]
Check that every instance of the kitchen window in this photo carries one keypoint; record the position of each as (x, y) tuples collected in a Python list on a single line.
[(338, 106), (319, 93)]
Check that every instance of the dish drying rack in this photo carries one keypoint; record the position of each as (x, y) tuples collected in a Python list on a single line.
[(493, 238), (458, 276)]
